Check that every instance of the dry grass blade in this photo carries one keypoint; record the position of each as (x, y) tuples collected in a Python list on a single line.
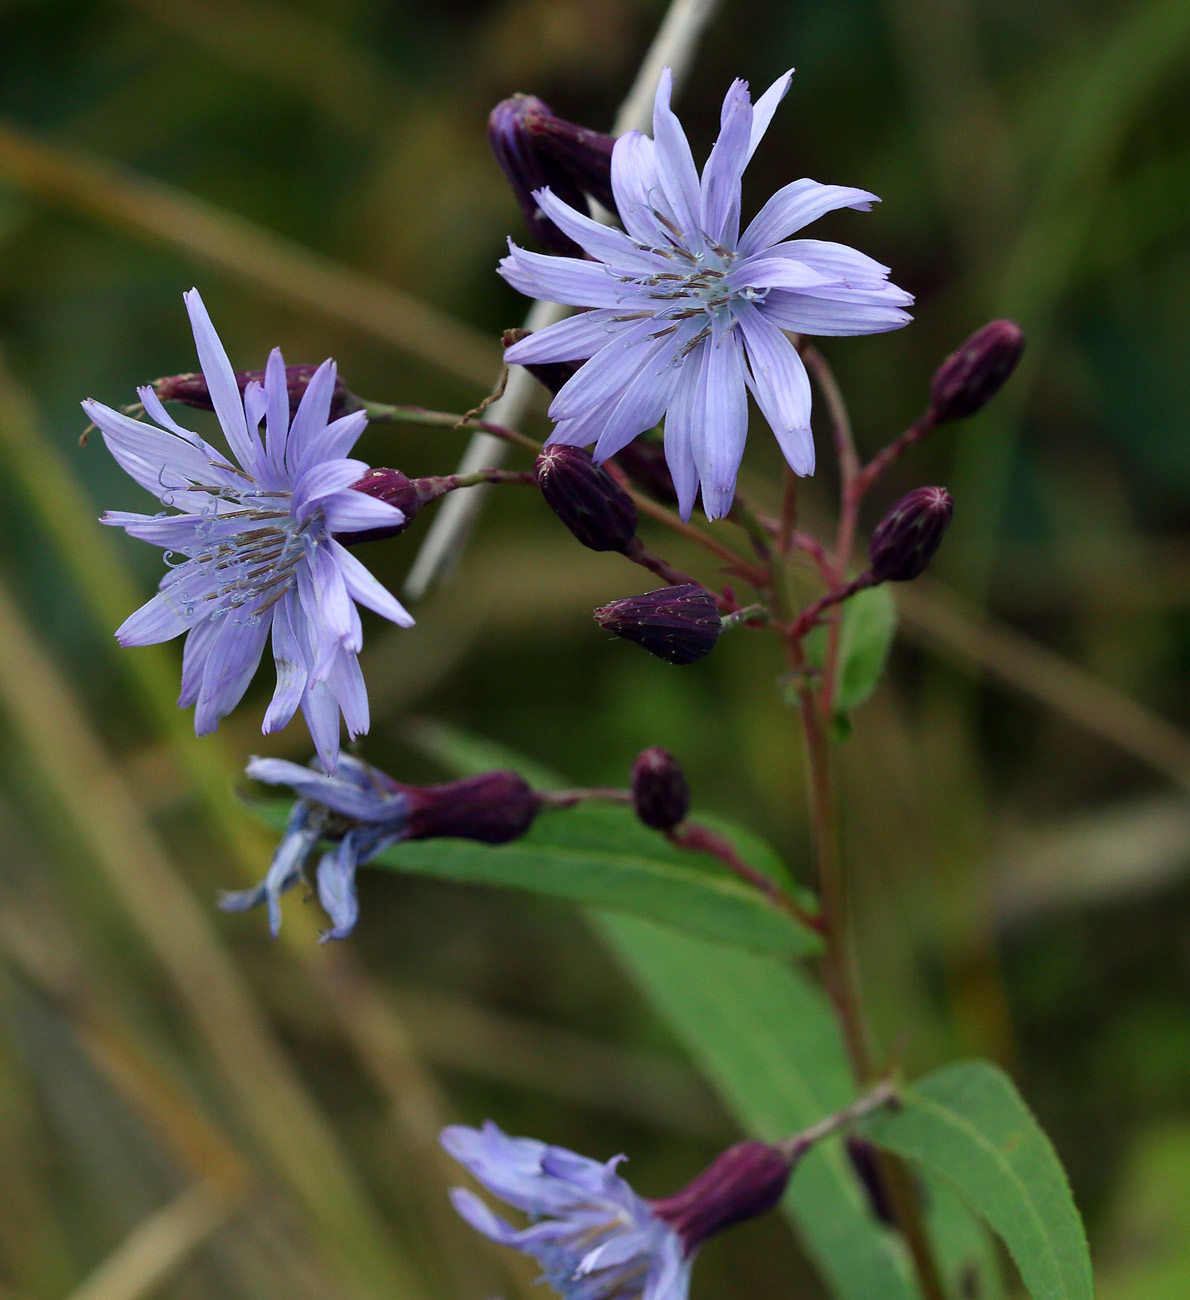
[(938, 618), (59, 744), (83, 183), (154, 1249)]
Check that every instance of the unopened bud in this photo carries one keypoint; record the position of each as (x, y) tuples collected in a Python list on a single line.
[(747, 1180), (645, 464), (493, 808), (586, 498), (680, 624), (550, 375), (907, 537), (394, 489), (537, 149), (191, 390), (660, 793), (971, 376)]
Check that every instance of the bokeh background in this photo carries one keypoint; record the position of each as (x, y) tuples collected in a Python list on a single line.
[(189, 1110)]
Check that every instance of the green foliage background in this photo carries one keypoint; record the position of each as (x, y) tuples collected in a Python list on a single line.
[(191, 1111)]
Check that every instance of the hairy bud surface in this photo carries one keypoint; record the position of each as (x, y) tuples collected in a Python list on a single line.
[(907, 537), (586, 498), (680, 624)]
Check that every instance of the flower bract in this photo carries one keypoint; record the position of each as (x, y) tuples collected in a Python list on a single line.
[(686, 315), (253, 549)]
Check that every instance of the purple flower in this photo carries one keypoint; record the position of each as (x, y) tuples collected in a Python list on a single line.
[(593, 1235), (686, 313), (254, 549), (360, 807)]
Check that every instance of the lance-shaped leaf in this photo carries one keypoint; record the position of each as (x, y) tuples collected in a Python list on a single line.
[(968, 1124)]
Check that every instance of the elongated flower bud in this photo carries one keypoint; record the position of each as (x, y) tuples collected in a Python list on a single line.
[(680, 624), (537, 149), (748, 1179), (660, 793), (971, 376), (907, 537), (393, 488), (551, 375), (586, 498), (191, 390), (493, 808)]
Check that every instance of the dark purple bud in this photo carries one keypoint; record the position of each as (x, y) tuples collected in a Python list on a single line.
[(747, 1180), (551, 375), (680, 624), (907, 537), (645, 464), (969, 378), (660, 793), (586, 498), (493, 808), (393, 488), (537, 149), (191, 390)]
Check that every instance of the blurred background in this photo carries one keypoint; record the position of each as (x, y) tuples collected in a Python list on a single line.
[(189, 1110)]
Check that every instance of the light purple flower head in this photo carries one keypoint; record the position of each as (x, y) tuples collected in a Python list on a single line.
[(687, 315), (359, 806), (254, 548), (593, 1236)]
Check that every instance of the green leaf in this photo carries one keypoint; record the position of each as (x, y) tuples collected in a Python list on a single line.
[(869, 622), (967, 1124), (764, 1034), (602, 856)]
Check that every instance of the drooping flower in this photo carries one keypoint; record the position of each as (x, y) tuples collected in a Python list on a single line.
[(361, 811), (687, 315), (594, 1237), (254, 548)]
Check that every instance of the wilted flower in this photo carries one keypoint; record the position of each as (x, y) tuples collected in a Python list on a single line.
[(255, 544), (687, 314), (594, 1237), (363, 810)]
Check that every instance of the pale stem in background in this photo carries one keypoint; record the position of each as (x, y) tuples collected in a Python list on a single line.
[(673, 47)]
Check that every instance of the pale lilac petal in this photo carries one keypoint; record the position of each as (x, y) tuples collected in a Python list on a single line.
[(568, 280), (321, 711), (608, 372), (171, 531), (338, 438), (332, 605), (680, 422), (796, 205), (285, 870), (363, 587), (803, 314), (763, 272), (346, 681), (636, 187), (159, 619), (642, 403), (720, 448), (675, 164), (289, 656), (721, 177), (574, 339), (483, 1220), (324, 479), (764, 108), (342, 794), (221, 384), (669, 1279), (781, 387), (835, 261), (231, 663), (198, 645), (156, 411), (604, 243), (160, 462), (352, 512), (276, 427), (867, 295), (255, 404), (336, 889), (310, 419)]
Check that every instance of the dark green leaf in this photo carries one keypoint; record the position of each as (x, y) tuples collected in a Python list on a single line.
[(967, 1123), (869, 622)]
